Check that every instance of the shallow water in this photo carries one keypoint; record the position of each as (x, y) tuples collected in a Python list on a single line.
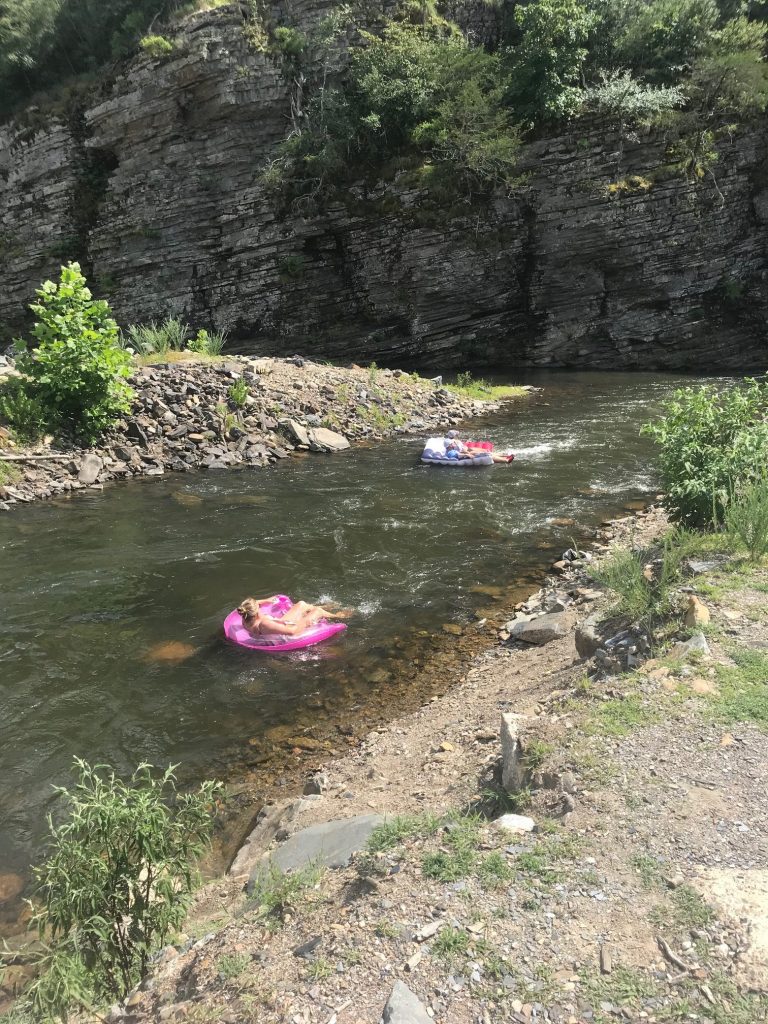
[(111, 603)]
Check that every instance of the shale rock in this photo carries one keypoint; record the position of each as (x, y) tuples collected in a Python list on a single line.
[(544, 628)]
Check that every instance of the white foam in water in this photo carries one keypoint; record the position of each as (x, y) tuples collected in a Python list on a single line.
[(369, 607), (537, 451)]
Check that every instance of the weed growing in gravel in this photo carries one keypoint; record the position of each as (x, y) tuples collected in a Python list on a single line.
[(541, 860), (386, 930), (275, 894), (621, 716), (9, 474), (450, 943), (351, 956), (684, 910), (232, 965), (648, 869), (458, 860), (743, 695), (494, 871), (624, 986), (395, 831), (319, 969), (536, 753)]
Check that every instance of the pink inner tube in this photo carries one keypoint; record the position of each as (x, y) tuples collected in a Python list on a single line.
[(485, 445), (277, 643)]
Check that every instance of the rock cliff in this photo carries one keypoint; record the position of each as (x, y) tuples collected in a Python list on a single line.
[(154, 187)]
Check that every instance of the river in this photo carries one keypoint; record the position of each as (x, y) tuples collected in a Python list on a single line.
[(111, 602)]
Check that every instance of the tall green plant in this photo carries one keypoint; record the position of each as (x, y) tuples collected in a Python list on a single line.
[(76, 373), (118, 880), (712, 441), (746, 518)]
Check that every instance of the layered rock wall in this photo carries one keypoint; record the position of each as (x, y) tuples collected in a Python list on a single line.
[(155, 188)]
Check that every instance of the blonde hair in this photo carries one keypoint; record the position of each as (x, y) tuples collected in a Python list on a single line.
[(248, 610)]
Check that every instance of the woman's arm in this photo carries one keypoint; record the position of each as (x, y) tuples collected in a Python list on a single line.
[(278, 626)]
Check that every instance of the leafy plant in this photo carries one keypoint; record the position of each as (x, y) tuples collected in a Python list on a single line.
[(207, 343), (9, 474), (22, 409), (157, 339), (77, 372), (746, 518), (238, 393), (711, 441), (156, 46), (117, 881), (232, 965)]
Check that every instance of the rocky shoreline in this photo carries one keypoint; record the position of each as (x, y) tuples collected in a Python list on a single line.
[(235, 413), (587, 904)]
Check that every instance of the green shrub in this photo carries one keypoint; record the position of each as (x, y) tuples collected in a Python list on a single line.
[(238, 393), (207, 343), (118, 880), (746, 518), (157, 339), (23, 410), (156, 46), (713, 441), (77, 372)]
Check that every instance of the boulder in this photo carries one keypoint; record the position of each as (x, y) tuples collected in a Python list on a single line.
[(323, 440), (296, 432), (329, 845), (90, 468), (544, 628), (696, 645), (515, 823), (403, 1007), (587, 637)]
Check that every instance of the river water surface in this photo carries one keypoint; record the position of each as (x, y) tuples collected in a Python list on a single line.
[(111, 603)]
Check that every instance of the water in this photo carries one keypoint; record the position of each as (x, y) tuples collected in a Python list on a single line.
[(111, 603)]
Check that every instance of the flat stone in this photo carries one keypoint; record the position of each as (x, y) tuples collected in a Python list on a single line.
[(296, 432), (515, 823), (323, 440), (329, 845), (403, 1007), (544, 628), (90, 468), (696, 645)]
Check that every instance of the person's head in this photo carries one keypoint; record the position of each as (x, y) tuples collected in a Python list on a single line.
[(452, 434), (248, 611)]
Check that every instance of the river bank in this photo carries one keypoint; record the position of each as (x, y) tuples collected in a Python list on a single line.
[(637, 895), (236, 412)]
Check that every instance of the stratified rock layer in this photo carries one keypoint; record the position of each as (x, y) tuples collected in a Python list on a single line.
[(155, 188)]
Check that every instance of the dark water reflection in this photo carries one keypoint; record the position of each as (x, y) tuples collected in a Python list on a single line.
[(111, 604)]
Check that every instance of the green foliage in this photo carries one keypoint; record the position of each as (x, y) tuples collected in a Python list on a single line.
[(276, 894), (118, 880), (22, 410), (76, 374), (9, 474), (397, 830), (621, 97), (207, 343), (232, 965), (450, 943), (743, 695), (746, 518), (622, 715), (238, 393), (157, 339), (661, 37), (545, 66), (712, 442), (156, 46), (460, 857), (44, 42)]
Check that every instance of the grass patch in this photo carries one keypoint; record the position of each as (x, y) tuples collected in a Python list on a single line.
[(544, 859), (9, 474), (232, 965), (493, 871), (397, 830), (684, 910), (743, 695), (276, 894), (458, 857), (467, 386), (648, 868), (624, 986), (621, 716), (319, 969), (450, 943), (536, 753)]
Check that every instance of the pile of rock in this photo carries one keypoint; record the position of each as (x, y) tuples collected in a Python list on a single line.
[(188, 416)]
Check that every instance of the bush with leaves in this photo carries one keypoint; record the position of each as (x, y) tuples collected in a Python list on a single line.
[(118, 880), (545, 66), (713, 441), (75, 375)]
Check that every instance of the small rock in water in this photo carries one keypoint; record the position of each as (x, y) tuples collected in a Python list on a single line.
[(171, 650)]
